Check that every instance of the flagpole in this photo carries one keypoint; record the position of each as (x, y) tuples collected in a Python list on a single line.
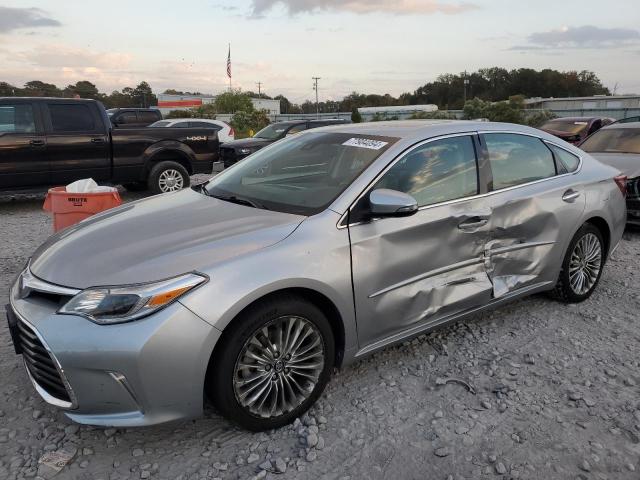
[(229, 68)]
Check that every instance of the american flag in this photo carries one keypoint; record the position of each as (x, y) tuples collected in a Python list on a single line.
[(229, 63)]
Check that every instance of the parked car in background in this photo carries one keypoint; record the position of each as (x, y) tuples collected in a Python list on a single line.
[(629, 119), (310, 254), (224, 130), (55, 141), (235, 151), (133, 117), (575, 129), (618, 145)]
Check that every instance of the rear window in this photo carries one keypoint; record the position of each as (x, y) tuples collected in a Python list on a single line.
[(17, 118), (573, 127), (613, 140), (67, 117)]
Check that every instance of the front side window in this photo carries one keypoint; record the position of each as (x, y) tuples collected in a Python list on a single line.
[(613, 140), (71, 118), (302, 174), (435, 172), (17, 118), (517, 159)]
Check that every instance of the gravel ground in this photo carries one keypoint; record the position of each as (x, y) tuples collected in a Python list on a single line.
[(535, 390)]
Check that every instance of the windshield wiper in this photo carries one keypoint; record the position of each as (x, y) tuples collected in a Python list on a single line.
[(239, 200)]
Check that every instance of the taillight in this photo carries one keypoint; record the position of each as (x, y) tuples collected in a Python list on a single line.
[(621, 182), (232, 132)]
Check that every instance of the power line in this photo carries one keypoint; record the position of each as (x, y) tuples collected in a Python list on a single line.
[(315, 87)]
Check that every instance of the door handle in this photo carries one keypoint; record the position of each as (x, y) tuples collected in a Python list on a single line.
[(37, 143), (570, 195), (473, 222), (97, 140)]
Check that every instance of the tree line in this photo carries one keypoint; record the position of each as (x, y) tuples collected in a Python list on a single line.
[(448, 92), (139, 96)]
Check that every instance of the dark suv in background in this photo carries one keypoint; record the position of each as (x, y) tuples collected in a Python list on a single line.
[(236, 150), (133, 117)]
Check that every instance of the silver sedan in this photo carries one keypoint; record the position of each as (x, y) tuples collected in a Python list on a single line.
[(310, 254)]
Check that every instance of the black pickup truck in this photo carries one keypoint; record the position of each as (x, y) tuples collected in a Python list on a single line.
[(55, 141)]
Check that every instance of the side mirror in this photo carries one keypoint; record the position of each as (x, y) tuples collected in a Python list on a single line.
[(391, 203)]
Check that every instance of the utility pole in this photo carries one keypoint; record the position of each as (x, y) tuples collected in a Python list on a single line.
[(259, 84), (315, 87), (465, 82)]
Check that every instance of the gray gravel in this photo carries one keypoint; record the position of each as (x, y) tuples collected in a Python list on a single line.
[(556, 397)]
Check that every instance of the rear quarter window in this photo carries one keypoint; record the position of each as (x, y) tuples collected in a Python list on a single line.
[(568, 162)]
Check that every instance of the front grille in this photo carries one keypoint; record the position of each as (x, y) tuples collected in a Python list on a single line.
[(40, 364)]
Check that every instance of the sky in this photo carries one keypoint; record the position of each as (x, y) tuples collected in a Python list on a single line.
[(368, 46)]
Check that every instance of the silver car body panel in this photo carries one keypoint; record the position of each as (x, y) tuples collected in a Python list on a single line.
[(387, 279)]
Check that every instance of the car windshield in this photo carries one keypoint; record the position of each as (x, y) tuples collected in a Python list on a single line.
[(573, 127), (272, 132), (302, 174), (613, 140)]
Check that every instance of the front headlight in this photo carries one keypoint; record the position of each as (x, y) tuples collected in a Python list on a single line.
[(108, 305)]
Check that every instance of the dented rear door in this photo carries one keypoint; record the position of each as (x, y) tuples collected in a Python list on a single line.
[(536, 207), (409, 272)]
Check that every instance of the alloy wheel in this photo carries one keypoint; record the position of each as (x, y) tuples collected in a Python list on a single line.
[(279, 366), (170, 180), (585, 264)]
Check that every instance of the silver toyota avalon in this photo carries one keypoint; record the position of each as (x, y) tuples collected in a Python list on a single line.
[(308, 255)]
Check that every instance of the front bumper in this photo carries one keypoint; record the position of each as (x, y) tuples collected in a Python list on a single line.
[(139, 373)]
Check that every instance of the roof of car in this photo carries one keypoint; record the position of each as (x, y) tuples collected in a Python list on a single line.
[(622, 125), (422, 129), (298, 122)]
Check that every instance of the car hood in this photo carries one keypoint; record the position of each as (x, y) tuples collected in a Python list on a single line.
[(249, 143), (157, 238), (627, 163)]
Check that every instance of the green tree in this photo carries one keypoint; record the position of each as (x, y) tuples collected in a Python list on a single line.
[(233, 101), (243, 120), (179, 114), (355, 116), (36, 88), (8, 90), (143, 95), (83, 89)]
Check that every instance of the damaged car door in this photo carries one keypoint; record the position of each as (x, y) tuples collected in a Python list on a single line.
[(536, 205), (417, 270)]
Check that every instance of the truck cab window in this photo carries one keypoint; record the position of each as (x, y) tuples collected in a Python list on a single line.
[(17, 119), (71, 118)]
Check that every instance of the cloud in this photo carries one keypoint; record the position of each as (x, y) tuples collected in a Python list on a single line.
[(58, 55), (16, 18), (399, 7), (584, 37)]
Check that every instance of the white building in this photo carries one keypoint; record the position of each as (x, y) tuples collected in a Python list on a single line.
[(167, 103)]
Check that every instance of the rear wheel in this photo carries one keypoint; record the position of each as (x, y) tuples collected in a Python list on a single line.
[(168, 177), (273, 364), (582, 266)]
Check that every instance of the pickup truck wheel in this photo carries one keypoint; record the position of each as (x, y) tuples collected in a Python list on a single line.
[(168, 177), (135, 186)]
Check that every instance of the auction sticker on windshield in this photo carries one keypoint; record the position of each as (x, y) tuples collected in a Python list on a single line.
[(365, 143)]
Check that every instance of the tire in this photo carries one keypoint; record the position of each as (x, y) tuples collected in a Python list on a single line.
[(168, 177), (135, 186), (230, 386), (569, 292)]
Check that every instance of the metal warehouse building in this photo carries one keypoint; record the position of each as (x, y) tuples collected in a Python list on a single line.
[(618, 106), (167, 103)]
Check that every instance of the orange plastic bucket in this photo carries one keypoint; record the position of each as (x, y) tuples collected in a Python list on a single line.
[(70, 208)]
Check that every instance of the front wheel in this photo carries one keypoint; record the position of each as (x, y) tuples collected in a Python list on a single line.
[(582, 266), (273, 364), (168, 177)]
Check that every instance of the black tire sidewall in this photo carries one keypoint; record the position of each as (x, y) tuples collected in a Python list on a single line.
[(221, 368), (156, 171), (566, 292)]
